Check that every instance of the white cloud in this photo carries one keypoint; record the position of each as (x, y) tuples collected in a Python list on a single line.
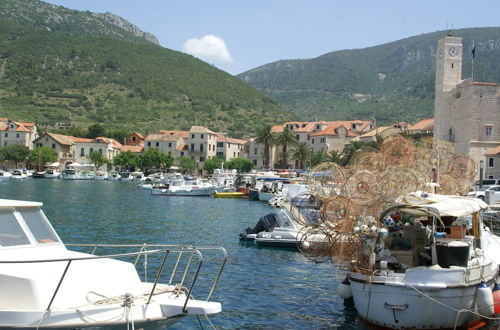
[(209, 48)]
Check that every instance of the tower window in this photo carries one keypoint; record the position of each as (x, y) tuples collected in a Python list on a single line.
[(452, 65)]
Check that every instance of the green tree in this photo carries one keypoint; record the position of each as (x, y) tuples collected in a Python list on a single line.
[(211, 164), (41, 155), (118, 134), (239, 164), (153, 157), (302, 153), (126, 159), (98, 159), (96, 130), (285, 139), (267, 138), (316, 158), (187, 163), (16, 153)]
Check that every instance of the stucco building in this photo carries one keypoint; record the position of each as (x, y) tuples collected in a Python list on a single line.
[(14, 132)]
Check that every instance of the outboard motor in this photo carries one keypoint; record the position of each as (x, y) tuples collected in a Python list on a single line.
[(266, 223)]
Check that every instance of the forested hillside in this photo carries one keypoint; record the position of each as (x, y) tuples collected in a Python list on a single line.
[(61, 65), (390, 82)]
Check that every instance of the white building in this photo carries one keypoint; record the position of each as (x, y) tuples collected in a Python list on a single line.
[(14, 132)]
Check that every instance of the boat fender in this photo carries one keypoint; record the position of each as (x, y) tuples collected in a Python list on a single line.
[(484, 298), (496, 298), (344, 290)]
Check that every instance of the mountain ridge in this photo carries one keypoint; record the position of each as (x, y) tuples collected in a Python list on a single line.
[(391, 82)]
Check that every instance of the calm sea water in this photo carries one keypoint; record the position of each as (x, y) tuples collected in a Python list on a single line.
[(260, 287)]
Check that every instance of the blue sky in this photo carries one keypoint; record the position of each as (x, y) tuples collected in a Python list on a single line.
[(237, 35)]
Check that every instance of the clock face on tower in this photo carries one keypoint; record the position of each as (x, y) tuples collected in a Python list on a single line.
[(452, 51)]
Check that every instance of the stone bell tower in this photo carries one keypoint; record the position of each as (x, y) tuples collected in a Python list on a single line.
[(448, 75)]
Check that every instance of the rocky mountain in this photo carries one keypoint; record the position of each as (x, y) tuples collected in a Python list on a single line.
[(390, 82), (62, 65)]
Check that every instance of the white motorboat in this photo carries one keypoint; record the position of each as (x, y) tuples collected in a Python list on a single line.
[(179, 187), (125, 176), (440, 282), (5, 176), (100, 175), (113, 176), (137, 176), (18, 175), (44, 285), (279, 229), (51, 173), (71, 174)]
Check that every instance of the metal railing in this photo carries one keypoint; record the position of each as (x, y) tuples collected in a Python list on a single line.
[(184, 262)]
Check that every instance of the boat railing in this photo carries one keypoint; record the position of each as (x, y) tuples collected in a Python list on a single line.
[(185, 259)]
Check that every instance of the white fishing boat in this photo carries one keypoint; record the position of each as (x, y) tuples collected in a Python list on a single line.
[(18, 175), (5, 176), (100, 175), (179, 187), (113, 176), (71, 174), (44, 285), (51, 173), (443, 281)]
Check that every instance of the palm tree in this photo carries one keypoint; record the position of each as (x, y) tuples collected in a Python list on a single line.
[(302, 153), (334, 156), (268, 138), (286, 139)]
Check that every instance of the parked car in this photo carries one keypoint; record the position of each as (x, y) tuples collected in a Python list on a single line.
[(481, 192)]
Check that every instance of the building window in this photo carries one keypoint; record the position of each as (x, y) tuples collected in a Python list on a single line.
[(202, 159), (192, 136), (488, 130), (170, 144), (5, 143), (100, 151), (322, 140), (17, 135), (192, 146), (220, 144), (149, 143), (201, 147), (229, 145), (255, 151), (209, 147), (46, 139), (297, 137), (312, 141), (220, 154), (254, 162), (317, 126), (182, 153), (234, 154), (452, 65), (91, 151), (133, 138), (491, 162), (82, 152), (157, 144), (6, 134), (202, 136)]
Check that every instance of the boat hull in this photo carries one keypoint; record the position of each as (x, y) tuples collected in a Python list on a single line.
[(399, 306), (228, 194)]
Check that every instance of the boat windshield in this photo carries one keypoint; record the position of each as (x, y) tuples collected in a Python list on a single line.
[(39, 226), (11, 233), (283, 219)]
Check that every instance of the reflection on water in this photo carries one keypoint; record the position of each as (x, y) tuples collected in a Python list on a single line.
[(260, 287)]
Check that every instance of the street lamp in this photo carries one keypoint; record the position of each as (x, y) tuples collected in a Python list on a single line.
[(481, 168)]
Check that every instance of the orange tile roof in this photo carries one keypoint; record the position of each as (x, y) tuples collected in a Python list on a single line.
[(184, 134), (424, 124), (20, 127), (493, 152), (139, 135), (79, 139), (115, 143), (135, 149), (277, 129), (223, 138)]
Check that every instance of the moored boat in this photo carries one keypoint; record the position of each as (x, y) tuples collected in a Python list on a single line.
[(229, 194), (5, 176), (443, 280), (47, 286), (52, 173), (71, 174)]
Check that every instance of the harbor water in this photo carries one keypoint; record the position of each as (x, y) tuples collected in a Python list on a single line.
[(260, 287)]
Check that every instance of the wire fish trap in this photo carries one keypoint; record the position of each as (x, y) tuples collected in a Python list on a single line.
[(462, 166), (397, 150), (371, 161), (362, 187), (326, 180), (396, 181), (305, 209)]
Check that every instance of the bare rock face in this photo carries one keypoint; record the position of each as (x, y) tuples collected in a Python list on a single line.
[(126, 25)]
